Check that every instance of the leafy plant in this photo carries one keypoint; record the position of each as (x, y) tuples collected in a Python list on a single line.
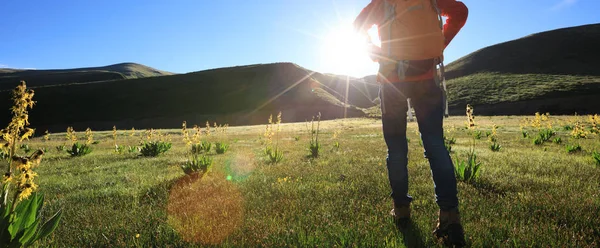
[(557, 140), (60, 148), (546, 134), (119, 149), (477, 134), (448, 147), (596, 157), (495, 147), (154, 148), (568, 127), (488, 133), (25, 148), (525, 134), (20, 213), (78, 150), (450, 141), (133, 149), (297, 138), (573, 148), (538, 140), (89, 136), (20, 227), (197, 164), (274, 155), (203, 146), (221, 147), (314, 146), (468, 170)]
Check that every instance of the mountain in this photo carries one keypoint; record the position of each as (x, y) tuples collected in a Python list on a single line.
[(9, 78), (239, 95), (556, 71)]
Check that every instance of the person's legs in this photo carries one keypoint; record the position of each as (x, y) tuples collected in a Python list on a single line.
[(428, 106), (429, 110), (394, 107)]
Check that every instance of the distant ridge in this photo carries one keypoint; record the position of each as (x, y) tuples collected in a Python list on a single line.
[(10, 77)]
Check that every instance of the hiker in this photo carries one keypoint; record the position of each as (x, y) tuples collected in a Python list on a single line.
[(413, 37)]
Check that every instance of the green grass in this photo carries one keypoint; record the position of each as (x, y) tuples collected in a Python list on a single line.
[(526, 195)]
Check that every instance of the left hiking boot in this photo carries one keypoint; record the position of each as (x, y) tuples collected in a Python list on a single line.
[(401, 215), (449, 228)]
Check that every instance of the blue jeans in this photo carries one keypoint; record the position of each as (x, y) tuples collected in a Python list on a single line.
[(427, 100)]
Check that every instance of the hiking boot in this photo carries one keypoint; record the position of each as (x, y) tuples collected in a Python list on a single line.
[(401, 215), (449, 228)]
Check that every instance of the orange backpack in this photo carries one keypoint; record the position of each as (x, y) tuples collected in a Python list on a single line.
[(411, 35)]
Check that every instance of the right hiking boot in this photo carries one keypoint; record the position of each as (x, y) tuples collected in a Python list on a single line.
[(401, 215), (449, 228)]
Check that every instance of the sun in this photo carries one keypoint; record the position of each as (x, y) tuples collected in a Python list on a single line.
[(344, 52)]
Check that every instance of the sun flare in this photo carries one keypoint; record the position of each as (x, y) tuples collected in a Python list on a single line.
[(345, 52)]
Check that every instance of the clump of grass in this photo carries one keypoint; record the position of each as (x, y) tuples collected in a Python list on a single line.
[(314, 147), (297, 138), (495, 147), (78, 150), (468, 170), (197, 164), (221, 147), (596, 158), (154, 148), (573, 148)]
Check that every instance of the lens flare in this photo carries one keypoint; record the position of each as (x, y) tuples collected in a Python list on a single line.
[(205, 211)]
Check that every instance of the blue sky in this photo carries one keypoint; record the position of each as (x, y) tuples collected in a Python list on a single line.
[(191, 35)]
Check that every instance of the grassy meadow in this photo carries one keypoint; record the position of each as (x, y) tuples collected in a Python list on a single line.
[(526, 195)]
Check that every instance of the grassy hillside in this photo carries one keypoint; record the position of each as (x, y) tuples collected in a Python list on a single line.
[(567, 51), (555, 71), (237, 95), (9, 78)]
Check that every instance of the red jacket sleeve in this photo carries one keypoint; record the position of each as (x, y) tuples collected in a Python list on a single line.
[(369, 16), (456, 14)]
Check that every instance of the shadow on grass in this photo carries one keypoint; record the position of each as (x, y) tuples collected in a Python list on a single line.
[(488, 188), (411, 235)]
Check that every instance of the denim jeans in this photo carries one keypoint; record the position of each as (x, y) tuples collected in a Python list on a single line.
[(427, 100)]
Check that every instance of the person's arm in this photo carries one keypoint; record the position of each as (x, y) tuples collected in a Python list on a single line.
[(456, 14), (369, 16)]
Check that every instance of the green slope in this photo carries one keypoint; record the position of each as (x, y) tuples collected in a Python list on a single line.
[(9, 78), (237, 95), (556, 71)]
